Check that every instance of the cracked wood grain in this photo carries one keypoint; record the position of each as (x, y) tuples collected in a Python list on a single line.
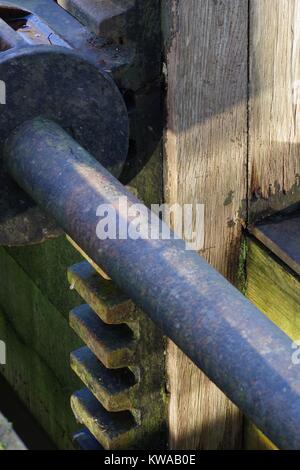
[(274, 106), (205, 162)]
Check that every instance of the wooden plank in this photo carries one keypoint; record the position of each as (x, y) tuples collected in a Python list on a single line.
[(33, 317), (205, 162), (273, 161), (46, 264), (275, 290), (47, 398), (274, 106)]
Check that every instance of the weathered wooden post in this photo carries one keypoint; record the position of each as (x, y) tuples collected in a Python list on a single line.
[(231, 143)]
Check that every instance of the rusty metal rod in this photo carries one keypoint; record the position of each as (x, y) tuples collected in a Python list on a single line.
[(237, 347)]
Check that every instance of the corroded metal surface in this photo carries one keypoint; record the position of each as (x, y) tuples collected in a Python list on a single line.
[(280, 234), (112, 430), (84, 440), (73, 33), (125, 42), (113, 17), (44, 77), (239, 349), (110, 304), (59, 84), (114, 345), (114, 388), (123, 365), (126, 46), (8, 37)]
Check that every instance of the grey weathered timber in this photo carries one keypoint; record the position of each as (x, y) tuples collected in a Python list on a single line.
[(274, 103), (205, 158)]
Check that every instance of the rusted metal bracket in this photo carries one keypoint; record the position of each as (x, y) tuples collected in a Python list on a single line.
[(124, 403), (130, 29), (108, 18)]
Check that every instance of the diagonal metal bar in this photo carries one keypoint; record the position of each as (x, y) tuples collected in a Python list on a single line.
[(244, 353)]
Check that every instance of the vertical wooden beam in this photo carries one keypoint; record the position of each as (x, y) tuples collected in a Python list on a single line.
[(274, 107), (206, 162)]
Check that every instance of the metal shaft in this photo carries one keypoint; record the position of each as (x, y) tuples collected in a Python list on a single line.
[(239, 349)]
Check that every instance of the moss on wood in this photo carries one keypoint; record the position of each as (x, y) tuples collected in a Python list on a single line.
[(38, 387), (275, 290), (36, 321), (46, 265)]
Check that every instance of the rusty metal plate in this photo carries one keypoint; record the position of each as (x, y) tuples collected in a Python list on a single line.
[(69, 30), (98, 16), (281, 235)]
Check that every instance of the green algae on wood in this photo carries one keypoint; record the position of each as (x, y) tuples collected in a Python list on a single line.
[(37, 386), (36, 322), (46, 265), (275, 290)]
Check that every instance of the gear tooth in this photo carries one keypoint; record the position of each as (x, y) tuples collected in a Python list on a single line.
[(113, 388), (107, 301), (112, 430), (123, 406), (84, 440), (113, 345)]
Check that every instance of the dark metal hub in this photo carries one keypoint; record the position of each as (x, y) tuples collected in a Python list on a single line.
[(58, 84)]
